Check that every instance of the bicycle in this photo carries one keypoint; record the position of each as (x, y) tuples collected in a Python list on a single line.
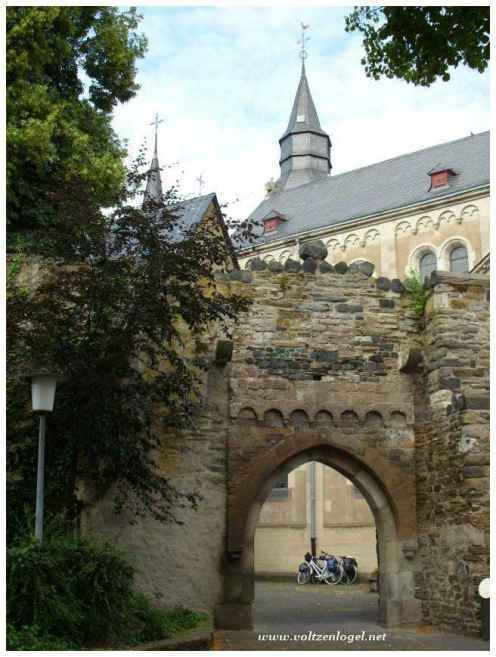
[(349, 566), (331, 572)]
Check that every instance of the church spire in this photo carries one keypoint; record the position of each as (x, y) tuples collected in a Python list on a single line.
[(153, 191), (305, 147)]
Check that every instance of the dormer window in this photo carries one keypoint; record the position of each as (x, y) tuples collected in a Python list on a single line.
[(270, 225), (271, 222), (440, 177)]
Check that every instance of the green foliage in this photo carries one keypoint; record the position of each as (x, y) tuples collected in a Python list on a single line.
[(416, 291), (121, 303), (67, 68), (420, 44), (144, 622), (32, 637), (74, 589), (68, 593)]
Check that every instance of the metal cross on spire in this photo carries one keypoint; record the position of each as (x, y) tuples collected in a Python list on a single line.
[(201, 182), (303, 41), (156, 123)]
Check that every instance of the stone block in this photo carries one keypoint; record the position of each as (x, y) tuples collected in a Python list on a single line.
[(341, 268), (411, 611), (348, 308), (309, 265), (257, 264), (397, 286), (476, 403), (292, 266), (383, 283), (366, 268), (449, 383), (325, 268), (386, 303), (325, 356), (315, 249), (275, 267)]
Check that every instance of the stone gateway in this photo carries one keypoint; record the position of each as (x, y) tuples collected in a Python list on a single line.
[(334, 366)]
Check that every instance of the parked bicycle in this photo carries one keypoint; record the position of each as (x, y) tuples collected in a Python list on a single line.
[(329, 570), (349, 566)]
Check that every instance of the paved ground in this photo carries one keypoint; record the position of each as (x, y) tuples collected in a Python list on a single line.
[(348, 613)]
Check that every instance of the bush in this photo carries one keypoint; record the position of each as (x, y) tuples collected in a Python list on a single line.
[(144, 622), (72, 588), (416, 291), (69, 592), (31, 637)]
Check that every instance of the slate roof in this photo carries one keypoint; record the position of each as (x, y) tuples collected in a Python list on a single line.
[(189, 213), (303, 106), (387, 185)]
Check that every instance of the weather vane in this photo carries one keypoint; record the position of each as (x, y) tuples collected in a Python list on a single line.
[(303, 40), (201, 182)]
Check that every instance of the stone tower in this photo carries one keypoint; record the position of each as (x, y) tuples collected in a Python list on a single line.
[(305, 147)]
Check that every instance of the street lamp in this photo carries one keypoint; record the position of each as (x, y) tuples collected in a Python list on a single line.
[(43, 396)]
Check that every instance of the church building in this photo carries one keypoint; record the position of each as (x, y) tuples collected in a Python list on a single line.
[(420, 211)]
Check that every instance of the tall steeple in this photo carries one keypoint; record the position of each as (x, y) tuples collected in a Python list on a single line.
[(153, 191), (305, 147)]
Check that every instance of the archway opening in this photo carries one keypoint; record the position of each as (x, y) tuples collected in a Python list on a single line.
[(313, 509), (388, 491)]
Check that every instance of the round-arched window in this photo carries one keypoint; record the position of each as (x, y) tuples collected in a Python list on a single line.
[(427, 264), (458, 259)]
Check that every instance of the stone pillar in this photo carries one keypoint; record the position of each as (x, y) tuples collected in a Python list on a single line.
[(397, 603), (236, 612), (453, 452)]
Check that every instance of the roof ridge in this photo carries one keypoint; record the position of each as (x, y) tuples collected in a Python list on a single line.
[(390, 159), (195, 198)]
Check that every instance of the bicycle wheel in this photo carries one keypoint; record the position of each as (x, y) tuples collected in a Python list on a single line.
[(334, 577), (304, 573), (352, 575)]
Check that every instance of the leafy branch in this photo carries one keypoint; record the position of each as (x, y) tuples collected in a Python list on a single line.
[(414, 287)]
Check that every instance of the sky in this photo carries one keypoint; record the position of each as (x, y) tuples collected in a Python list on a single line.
[(224, 80)]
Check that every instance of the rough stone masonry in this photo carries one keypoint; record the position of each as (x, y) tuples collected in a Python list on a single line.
[(331, 364)]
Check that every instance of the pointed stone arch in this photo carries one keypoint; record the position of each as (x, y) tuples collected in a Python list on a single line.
[(389, 491)]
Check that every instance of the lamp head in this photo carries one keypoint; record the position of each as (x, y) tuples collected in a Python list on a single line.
[(43, 392)]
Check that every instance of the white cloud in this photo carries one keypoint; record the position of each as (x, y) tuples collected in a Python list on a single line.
[(224, 79)]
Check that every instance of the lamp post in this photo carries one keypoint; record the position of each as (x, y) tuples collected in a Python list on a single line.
[(43, 396)]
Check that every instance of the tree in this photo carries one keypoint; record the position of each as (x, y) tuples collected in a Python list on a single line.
[(420, 44), (122, 310), (67, 68)]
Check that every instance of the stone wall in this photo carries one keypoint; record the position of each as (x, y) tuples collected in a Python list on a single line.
[(452, 453), (180, 564), (330, 365), (315, 372)]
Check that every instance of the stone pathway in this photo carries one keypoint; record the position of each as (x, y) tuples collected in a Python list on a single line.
[(301, 616)]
